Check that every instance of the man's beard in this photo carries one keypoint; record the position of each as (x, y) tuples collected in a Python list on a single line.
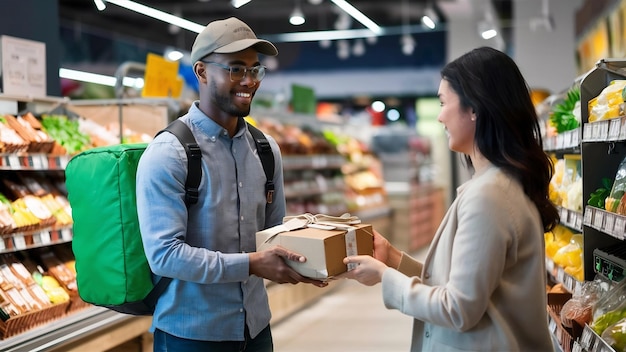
[(227, 105)]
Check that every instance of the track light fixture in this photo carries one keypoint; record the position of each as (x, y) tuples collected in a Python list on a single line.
[(239, 3), (100, 5), (430, 18), (297, 17)]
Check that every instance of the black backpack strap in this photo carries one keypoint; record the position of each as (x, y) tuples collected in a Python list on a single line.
[(194, 159), (264, 150)]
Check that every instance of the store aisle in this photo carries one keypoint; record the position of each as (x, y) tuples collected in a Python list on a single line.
[(350, 318)]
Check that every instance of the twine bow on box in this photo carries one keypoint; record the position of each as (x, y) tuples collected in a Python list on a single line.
[(323, 221)]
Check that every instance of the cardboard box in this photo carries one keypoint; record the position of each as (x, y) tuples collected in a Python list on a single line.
[(324, 249)]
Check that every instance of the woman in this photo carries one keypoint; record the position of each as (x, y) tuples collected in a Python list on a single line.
[(482, 284)]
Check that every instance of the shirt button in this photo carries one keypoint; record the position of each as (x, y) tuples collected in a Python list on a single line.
[(427, 276), (241, 218), (213, 139), (240, 184), (240, 310), (427, 334)]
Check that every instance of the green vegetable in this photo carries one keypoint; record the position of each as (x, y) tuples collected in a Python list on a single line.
[(562, 117), (599, 196), (65, 132), (608, 319)]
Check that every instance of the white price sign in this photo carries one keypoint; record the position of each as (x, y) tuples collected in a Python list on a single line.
[(604, 130), (615, 126), (588, 216), (609, 222), (598, 219), (23, 66), (618, 227), (587, 130), (19, 241)]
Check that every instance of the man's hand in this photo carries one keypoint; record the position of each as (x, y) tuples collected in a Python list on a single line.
[(270, 264)]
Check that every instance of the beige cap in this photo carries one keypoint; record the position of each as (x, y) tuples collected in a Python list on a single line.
[(228, 36)]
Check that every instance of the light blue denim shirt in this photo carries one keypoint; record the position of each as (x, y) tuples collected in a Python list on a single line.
[(204, 250)]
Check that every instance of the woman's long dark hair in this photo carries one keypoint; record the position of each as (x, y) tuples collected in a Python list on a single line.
[(507, 129)]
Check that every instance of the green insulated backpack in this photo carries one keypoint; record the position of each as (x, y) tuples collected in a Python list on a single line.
[(111, 267)]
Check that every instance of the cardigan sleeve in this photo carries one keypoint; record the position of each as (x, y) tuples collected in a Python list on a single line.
[(409, 266)]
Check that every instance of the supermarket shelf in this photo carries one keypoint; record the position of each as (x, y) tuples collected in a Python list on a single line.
[(63, 331)]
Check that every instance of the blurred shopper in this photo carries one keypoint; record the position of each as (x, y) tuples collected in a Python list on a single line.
[(217, 299), (482, 285)]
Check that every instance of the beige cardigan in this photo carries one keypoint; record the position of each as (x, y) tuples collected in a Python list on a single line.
[(482, 284)]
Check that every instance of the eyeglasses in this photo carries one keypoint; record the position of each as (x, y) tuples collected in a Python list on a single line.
[(238, 72)]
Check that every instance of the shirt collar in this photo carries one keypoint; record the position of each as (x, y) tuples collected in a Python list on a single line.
[(210, 127)]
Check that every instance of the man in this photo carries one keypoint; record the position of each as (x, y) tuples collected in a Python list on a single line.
[(217, 299)]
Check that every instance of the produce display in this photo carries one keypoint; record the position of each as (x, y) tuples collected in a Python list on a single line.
[(609, 103), (31, 202), (564, 247), (565, 116), (566, 186), (32, 284)]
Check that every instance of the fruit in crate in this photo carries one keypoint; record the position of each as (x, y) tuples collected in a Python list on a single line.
[(559, 237), (52, 288)]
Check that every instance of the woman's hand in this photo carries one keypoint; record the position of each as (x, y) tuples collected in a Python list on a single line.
[(385, 252), (368, 271)]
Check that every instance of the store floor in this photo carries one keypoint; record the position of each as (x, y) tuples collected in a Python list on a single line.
[(350, 318)]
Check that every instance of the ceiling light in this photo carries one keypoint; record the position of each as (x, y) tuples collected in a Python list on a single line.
[(239, 3), (100, 5), (378, 106), (358, 15), (430, 18), (159, 15), (174, 55), (358, 49), (408, 44), (486, 29), (99, 79), (297, 17)]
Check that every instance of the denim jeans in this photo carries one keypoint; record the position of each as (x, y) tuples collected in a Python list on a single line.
[(164, 342)]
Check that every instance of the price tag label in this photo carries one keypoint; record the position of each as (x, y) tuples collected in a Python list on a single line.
[(615, 126), (587, 131), (598, 219), (14, 161), (577, 347), (564, 214), (44, 236), (588, 216), (618, 227), (595, 133), (549, 265), (576, 138), (604, 130), (586, 339), (578, 222), (560, 275), (609, 222), (560, 141), (66, 234), (63, 160), (37, 162), (622, 132), (19, 241)]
